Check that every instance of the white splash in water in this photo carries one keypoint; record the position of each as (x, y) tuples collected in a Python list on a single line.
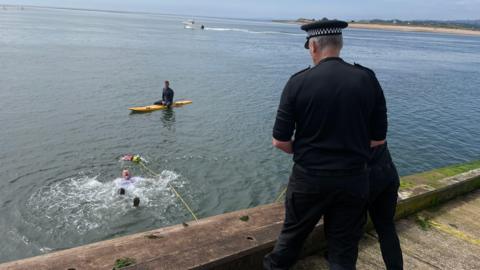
[(85, 203)]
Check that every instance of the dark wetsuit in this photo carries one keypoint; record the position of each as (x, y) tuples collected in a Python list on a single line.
[(167, 97), (384, 183), (334, 109)]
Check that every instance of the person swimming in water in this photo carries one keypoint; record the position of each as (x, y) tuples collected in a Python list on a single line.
[(127, 182)]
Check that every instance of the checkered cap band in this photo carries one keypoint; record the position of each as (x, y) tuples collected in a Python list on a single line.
[(323, 32)]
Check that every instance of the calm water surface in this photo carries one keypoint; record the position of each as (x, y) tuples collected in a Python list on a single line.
[(68, 77)]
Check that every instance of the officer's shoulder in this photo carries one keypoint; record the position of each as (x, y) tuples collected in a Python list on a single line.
[(369, 71), (300, 73)]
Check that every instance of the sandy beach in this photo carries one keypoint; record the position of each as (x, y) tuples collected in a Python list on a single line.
[(414, 29), (405, 28)]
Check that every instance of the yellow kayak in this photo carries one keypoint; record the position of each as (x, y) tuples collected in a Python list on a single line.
[(150, 108)]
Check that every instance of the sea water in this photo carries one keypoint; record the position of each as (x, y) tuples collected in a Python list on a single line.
[(68, 77)]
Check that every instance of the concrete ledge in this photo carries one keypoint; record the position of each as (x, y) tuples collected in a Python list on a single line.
[(441, 237), (226, 242), (423, 196)]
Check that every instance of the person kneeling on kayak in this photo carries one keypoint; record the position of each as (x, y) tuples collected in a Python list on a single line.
[(167, 96)]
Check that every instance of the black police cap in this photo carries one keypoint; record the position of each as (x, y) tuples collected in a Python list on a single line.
[(324, 27)]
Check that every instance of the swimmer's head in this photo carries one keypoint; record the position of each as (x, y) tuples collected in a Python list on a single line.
[(126, 174), (136, 202)]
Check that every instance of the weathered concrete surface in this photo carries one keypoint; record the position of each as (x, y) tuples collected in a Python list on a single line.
[(450, 239), (226, 242), (207, 243)]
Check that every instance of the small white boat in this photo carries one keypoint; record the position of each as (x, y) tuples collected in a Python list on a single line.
[(190, 24)]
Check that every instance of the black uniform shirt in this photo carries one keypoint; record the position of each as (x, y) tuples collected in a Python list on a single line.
[(167, 95), (335, 109)]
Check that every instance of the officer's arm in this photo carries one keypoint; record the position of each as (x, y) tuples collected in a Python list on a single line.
[(286, 147), (284, 122), (379, 116), (376, 143)]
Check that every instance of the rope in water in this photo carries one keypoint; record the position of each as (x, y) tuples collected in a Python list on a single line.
[(173, 189), (280, 196), (185, 204)]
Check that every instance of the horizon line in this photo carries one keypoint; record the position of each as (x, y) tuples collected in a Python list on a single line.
[(213, 17)]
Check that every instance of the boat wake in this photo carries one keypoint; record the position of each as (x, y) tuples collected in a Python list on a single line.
[(252, 32)]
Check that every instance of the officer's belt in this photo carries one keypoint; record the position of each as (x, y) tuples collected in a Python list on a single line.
[(342, 172)]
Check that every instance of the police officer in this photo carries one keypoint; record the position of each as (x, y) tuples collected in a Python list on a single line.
[(334, 110), (384, 183)]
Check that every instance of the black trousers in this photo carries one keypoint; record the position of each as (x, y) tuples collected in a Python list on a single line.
[(162, 102), (384, 183), (340, 200)]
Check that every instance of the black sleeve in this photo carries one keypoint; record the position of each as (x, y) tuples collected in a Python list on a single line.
[(285, 120), (379, 114)]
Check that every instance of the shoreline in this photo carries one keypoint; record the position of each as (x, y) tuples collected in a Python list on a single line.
[(356, 25), (407, 28), (400, 28)]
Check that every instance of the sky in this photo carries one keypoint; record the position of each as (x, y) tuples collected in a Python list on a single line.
[(285, 9)]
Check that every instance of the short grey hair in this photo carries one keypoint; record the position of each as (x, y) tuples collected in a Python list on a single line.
[(335, 41)]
